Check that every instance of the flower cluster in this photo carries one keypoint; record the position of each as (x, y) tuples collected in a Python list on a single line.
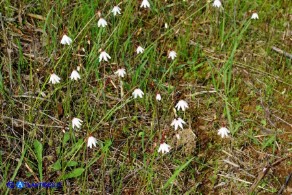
[(180, 107)]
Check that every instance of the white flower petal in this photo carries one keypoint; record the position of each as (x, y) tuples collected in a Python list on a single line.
[(139, 50), (178, 123), (54, 79), (120, 72), (164, 148), (104, 56), (255, 16), (182, 104), (145, 4), (217, 3), (66, 40), (116, 10), (138, 92), (172, 55), (101, 22), (75, 75), (223, 132), (91, 142), (158, 97), (76, 122)]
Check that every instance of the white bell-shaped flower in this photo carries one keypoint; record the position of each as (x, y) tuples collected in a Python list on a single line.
[(138, 93), (120, 72), (76, 122), (164, 148), (54, 79), (116, 10), (66, 40), (172, 54), (145, 4), (91, 141), (75, 75), (101, 22), (223, 132), (104, 56), (178, 122)]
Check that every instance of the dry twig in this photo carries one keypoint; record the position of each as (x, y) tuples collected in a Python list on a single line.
[(288, 55)]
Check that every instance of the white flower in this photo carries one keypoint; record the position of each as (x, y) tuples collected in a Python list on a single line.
[(66, 40), (182, 105), (164, 148), (75, 75), (165, 25), (145, 4), (158, 97), (217, 3), (223, 132), (177, 136), (139, 50), (104, 56), (255, 16), (172, 54), (116, 10), (54, 79), (91, 141), (76, 122), (178, 123), (120, 72), (101, 22), (138, 92)]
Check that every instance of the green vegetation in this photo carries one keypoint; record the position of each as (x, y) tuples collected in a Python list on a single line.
[(225, 69)]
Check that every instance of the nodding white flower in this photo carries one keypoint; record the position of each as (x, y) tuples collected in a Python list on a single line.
[(101, 22), (158, 97), (104, 56), (223, 132), (164, 148), (165, 25), (54, 79), (172, 54), (120, 72), (182, 105), (255, 16), (177, 136), (66, 40), (178, 123), (138, 92), (116, 10), (217, 3), (91, 141), (145, 4), (76, 122), (75, 75), (139, 50)]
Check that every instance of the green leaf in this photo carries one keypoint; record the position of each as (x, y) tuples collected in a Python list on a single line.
[(72, 163), (66, 138), (38, 149), (176, 172), (75, 173), (269, 142), (106, 146), (57, 165)]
